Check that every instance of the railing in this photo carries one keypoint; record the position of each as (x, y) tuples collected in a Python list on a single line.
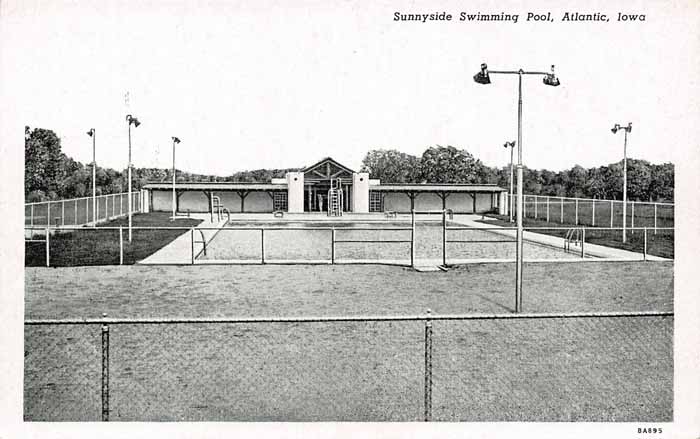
[(81, 211), (594, 212), (357, 368), (444, 243)]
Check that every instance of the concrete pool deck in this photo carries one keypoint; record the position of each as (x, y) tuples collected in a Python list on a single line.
[(179, 251), (593, 250)]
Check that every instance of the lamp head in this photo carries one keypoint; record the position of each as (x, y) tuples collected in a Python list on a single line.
[(483, 76), (91, 132), (132, 120), (628, 128), (551, 78), (511, 144), (176, 140), (615, 128)]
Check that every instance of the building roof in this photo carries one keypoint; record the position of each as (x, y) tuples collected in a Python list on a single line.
[(209, 186), (427, 187), (327, 160), (418, 187)]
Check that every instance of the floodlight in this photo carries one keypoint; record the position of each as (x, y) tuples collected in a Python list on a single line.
[(511, 144), (132, 120), (176, 140), (483, 76), (615, 128), (91, 132), (551, 78)]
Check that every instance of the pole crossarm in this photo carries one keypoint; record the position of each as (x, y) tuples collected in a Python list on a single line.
[(517, 72)]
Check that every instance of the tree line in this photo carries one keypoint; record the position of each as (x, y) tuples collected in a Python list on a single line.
[(447, 164), (51, 175)]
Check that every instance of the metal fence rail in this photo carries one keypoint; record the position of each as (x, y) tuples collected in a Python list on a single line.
[(455, 245), (398, 368), (81, 211)]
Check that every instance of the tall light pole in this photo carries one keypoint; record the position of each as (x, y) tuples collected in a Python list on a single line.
[(626, 129), (92, 134), (510, 208), (482, 77), (130, 121), (175, 141)]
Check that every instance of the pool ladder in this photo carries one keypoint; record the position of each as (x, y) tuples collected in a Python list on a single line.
[(335, 199), (575, 236)]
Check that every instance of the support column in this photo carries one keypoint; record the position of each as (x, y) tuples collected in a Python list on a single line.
[(242, 196), (360, 192), (295, 192), (412, 197)]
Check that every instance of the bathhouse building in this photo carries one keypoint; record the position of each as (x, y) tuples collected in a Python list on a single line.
[(322, 186)]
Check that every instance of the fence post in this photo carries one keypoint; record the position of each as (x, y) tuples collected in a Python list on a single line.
[(192, 243), (31, 215), (444, 238), (105, 370), (48, 214), (547, 208), (333, 245), (87, 210), (583, 241), (48, 253), (655, 205), (536, 206), (121, 202), (63, 213), (632, 216), (262, 245), (524, 206), (593, 213), (645, 243), (612, 208), (413, 237), (576, 211), (75, 212), (121, 246), (561, 211), (428, 400)]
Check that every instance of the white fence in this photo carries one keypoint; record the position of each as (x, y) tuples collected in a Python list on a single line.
[(594, 212), (81, 211)]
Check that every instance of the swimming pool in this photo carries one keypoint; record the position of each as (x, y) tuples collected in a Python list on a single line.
[(368, 241)]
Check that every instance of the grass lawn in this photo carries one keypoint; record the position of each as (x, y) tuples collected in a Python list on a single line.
[(659, 244), (97, 246), (617, 369)]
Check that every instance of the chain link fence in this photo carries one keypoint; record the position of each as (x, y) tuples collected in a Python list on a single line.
[(502, 367)]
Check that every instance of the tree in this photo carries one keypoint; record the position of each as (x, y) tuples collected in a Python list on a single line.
[(447, 164), (391, 166), (43, 170)]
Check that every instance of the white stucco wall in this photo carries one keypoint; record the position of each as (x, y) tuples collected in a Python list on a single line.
[(428, 201), (258, 202), (161, 201), (484, 202), (397, 202), (459, 203)]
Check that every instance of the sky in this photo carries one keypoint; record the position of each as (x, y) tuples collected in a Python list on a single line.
[(248, 85)]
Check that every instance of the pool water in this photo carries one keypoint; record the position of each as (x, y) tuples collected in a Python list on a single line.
[(312, 241)]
